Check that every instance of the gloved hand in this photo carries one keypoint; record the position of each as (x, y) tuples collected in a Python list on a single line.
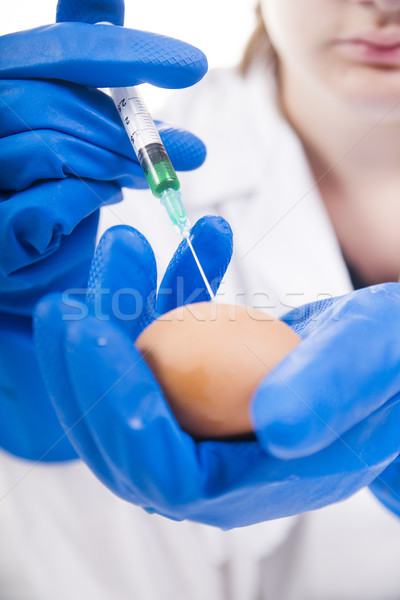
[(63, 150), (120, 424), (325, 390), (29, 426), (122, 254), (63, 154)]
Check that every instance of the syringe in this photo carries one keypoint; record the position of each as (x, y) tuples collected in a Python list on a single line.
[(154, 160)]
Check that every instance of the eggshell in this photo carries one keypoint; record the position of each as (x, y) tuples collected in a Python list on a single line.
[(209, 359)]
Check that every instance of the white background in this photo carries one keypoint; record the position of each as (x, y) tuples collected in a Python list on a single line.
[(219, 27)]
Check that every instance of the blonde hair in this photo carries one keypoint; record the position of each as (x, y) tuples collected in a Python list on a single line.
[(259, 48)]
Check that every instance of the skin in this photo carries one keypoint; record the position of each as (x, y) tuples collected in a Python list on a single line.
[(347, 114)]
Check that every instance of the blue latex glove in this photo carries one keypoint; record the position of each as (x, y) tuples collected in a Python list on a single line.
[(120, 424), (319, 399), (346, 368), (63, 150), (29, 426), (63, 154), (121, 255)]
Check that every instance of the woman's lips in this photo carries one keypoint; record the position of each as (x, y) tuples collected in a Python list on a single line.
[(375, 48)]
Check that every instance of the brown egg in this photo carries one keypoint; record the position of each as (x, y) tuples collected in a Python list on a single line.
[(209, 359)]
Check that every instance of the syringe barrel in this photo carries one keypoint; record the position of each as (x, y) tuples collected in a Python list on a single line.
[(145, 139)]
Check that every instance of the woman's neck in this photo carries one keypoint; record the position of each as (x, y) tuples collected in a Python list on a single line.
[(355, 159)]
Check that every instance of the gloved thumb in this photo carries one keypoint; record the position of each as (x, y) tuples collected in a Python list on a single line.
[(336, 378), (182, 283), (91, 11)]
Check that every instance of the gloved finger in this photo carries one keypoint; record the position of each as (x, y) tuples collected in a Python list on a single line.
[(32, 227), (50, 319), (185, 149), (33, 156), (303, 319), (91, 11), (123, 278), (85, 113), (36, 155), (182, 283), (109, 57), (66, 269), (344, 371), (127, 415)]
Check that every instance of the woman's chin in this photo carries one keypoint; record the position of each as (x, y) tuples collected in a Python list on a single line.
[(368, 92)]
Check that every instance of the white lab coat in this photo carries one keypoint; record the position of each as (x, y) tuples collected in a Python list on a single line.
[(63, 535)]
